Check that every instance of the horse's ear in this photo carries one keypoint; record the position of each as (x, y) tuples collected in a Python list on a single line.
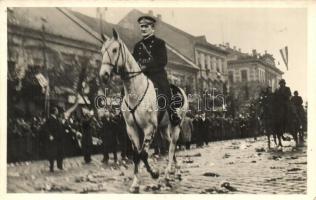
[(103, 37), (115, 34)]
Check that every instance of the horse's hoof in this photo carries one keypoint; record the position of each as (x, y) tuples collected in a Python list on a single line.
[(155, 175), (134, 189), (168, 184)]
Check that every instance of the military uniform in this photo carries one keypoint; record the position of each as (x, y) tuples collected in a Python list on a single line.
[(298, 104), (151, 55), (282, 105), (283, 94)]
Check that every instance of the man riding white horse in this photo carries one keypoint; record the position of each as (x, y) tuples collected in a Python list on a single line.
[(139, 105), (151, 55)]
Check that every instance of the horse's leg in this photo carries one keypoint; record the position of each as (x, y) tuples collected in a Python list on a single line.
[(177, 167), (136, 158), (280, 139), (148, 135), (174, 132), (275, 139), (135, 185), (269, 146), (301, 136), (294, 134), (301, 133)]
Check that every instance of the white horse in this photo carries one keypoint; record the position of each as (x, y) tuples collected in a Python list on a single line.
[(139, 106)]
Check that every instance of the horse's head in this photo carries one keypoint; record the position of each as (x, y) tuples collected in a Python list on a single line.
[(113, 57)]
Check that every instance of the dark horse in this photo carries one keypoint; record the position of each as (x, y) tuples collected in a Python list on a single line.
[(278, 118)]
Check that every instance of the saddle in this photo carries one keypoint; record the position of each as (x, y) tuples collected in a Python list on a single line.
[(177, 100)]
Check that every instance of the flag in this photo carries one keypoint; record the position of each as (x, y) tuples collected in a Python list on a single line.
[(47, 105), (41, 80), (285, 56)]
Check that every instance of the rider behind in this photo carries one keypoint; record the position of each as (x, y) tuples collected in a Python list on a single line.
[(282, 100), (298, 103), (151, 55)]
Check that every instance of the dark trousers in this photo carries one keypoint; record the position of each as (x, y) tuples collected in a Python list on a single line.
[(87, 153), (109, 149), (187, 145), (125, 145), (106, 156), (59, 159)]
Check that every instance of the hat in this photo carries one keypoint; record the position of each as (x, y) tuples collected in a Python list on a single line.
[(146, 19), (281, 81)]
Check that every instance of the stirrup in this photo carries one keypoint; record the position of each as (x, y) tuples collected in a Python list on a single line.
[(175, 119)]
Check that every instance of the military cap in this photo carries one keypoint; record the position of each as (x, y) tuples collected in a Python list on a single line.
[(146, 19), (282, 81)]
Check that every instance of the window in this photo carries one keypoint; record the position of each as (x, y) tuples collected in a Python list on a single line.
[(244, 75), (202, 61), (197, 58), (220, 65), (261, 75), (231, 76)]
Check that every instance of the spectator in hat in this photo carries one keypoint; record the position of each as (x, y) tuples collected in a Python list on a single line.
[(86, 130), (53, 139), (108, 137)]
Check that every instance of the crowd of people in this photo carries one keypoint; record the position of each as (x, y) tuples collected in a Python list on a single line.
[(57, 137), (84, 133), (202, 128), (39, 138)]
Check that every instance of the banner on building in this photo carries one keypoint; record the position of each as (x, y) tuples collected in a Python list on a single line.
[(285, 56)]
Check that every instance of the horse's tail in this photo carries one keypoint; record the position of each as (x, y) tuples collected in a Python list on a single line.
[(185, 105)]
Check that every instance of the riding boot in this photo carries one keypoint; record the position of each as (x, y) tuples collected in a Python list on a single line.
[(175, 119)]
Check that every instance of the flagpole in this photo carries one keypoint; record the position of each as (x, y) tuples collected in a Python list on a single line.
[(47, 100)]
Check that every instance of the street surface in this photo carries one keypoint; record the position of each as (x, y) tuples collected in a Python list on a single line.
[(232, 166)]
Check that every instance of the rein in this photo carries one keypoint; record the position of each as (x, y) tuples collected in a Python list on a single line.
[(132, 111), (125, 75)]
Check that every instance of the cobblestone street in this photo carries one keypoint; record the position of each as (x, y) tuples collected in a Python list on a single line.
[(232, 166)]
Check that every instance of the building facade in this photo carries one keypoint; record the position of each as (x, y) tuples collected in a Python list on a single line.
[(46, 48), (249, 74), (212, 62)]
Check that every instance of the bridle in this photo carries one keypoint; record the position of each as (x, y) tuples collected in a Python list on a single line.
[(125, 75)]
